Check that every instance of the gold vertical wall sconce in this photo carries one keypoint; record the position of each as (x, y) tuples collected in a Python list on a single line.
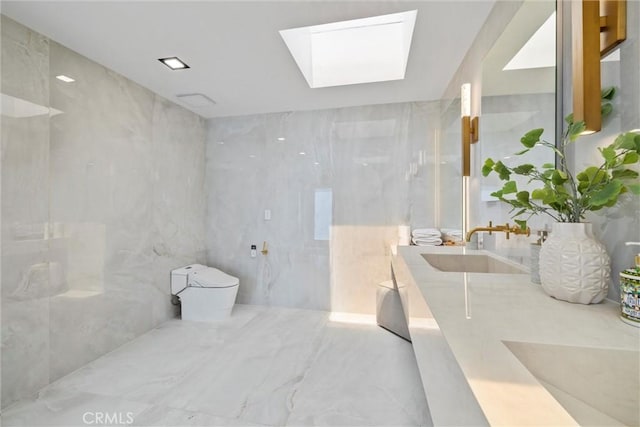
[(597, 28), (469, 128)]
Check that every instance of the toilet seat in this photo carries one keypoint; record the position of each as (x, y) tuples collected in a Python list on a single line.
[(211, 278), (205, 293)]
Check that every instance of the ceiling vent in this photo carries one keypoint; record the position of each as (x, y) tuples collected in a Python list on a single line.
[(196, 100)]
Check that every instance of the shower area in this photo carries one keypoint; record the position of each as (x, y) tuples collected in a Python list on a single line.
[(95, 173)]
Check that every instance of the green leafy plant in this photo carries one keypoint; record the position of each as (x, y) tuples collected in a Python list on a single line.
[(563, 196)]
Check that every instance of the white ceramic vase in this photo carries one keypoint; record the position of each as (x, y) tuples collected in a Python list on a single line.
[(574, 266)]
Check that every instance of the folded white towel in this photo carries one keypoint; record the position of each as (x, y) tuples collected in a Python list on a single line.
[(452, 235), (427, 239), (426, 232), (452, 231), (432, 241)]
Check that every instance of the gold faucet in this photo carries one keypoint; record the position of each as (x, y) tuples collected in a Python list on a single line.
[(503, 228), (264, 248)]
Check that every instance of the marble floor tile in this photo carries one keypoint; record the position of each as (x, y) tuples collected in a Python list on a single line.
[(146, 368), (163, 416), (251, 378), (361, 376), (68, 408), (264, 366)]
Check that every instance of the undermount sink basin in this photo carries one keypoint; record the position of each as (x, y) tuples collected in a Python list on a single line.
[(596, 386), (467, 263)]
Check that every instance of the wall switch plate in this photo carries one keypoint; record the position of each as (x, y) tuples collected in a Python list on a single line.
[(267, 214)]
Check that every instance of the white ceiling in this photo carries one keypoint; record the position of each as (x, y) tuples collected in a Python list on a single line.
[(236, 54)]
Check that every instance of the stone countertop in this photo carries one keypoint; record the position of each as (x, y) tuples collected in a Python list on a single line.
[(467, 328)]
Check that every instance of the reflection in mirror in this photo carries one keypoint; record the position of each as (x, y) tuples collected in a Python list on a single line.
[(449, 153), (518, 94), (610, 76)]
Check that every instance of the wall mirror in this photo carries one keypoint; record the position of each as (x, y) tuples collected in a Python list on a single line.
[(518, 94), (449, 152)]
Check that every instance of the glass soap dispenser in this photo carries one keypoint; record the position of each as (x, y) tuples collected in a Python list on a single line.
[(630, 292)]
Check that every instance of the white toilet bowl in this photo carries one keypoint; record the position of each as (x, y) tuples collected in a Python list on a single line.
[(206, 294)]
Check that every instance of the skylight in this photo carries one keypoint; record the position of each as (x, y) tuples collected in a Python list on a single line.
[(539, 51), (366, 50)]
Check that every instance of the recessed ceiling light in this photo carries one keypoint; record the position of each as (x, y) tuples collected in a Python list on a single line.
[(174, 63), (539, 51), (302, 153), (363, 50), (221, 142), (65, 79), (196, 100), (281, 138), (316, 163)]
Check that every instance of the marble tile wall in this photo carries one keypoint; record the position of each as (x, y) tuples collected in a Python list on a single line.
[(102, 195), (338, 184), (25, 209)]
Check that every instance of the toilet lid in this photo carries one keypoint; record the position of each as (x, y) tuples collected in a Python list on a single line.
[(212, 278)]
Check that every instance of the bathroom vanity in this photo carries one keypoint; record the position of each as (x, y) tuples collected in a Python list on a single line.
[(494, 349)]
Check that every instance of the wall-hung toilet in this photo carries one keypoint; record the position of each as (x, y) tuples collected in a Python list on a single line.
[(205, 293)]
